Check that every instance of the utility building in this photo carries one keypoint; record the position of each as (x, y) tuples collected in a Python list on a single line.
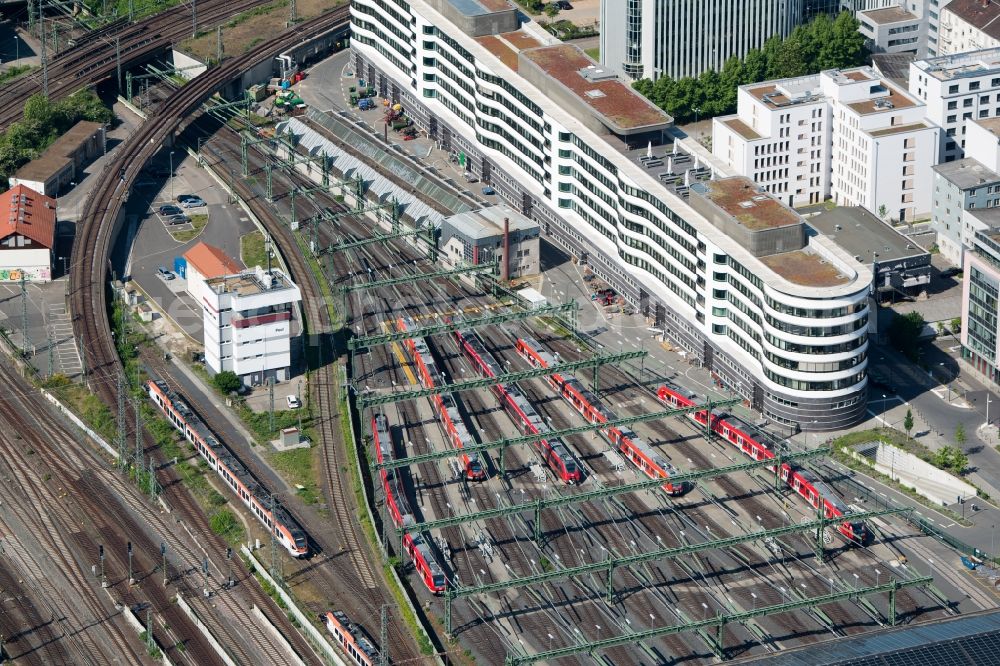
[(205, 262), (63, 161), (248, 325), (491, 234), (27, 235)]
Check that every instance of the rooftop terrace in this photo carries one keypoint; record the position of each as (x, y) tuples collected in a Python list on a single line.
[(888, 15), (608, 97), (805, 268), (250, 283), (507, 45), (753, 209)]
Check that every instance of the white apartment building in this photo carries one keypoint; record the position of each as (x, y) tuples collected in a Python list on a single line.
[(957, 88), (892, 30), (847, 135), (650, 38), (933, 9), (726, 271), (248, 324), (969, 25)]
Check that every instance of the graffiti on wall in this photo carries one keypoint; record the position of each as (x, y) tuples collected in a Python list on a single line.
[(32, 274)]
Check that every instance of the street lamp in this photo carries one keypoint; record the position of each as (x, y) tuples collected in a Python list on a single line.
[(754, 602), (877, 575), (17, 48), (171, 176), (856, 579)]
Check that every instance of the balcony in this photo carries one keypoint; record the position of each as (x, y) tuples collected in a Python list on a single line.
[(239, 321)]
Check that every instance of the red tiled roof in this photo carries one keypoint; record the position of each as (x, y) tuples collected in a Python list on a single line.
[(211, 261), (28, 213)]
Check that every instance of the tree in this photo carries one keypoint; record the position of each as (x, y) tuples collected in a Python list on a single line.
[(960, 434), (950, 458), (227, 381), (551, 9), (908, 422), (754, 66), (883, 212), (904, 333), (956, 325)]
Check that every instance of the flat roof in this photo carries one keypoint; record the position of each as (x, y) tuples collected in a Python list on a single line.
[(480, 7), (889, 15), (507, 45), (899, 129), (959, 65), (894, 66), (250, 283), (805, 268), (57, 156), (989, 124), (742, 128), (896, 97), (608, 97), (966, 173), (742, 199), (859, 233), (488, 222)]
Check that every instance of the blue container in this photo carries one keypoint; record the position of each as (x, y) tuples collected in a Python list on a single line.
[(180, 267)]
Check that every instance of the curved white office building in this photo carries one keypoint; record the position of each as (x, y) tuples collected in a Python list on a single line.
[(727, 271)]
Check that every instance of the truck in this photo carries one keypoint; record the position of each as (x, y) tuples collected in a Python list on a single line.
[(365, 104), (970, 562), (401, 122)]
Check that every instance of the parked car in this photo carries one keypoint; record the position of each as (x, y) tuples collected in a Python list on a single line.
[(169, 209), (564, 5), (178, 219), (293, 401), (164, 273), (190, 201), (950, 272), (489, 191), (471, 177)]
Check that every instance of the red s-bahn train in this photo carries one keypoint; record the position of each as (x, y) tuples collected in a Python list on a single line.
[(444, 403), (636, 449), (802, 481), (288, 532), (352, 639), (553, 451), (415, 545)]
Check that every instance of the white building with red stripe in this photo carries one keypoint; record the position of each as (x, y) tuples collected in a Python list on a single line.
[(248, 320)]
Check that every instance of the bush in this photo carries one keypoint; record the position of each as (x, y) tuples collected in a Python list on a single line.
[(227, 381), (823, 43), (950, 458), (226, 524)]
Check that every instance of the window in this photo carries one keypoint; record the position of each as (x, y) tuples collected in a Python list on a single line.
[(952, 105), (565, 203), (952, 118), (952, 89), (565, 153), (967, 102), (974, 85), (564, 136), (995, 83), (984, 113), (428, 30), (985, 99)]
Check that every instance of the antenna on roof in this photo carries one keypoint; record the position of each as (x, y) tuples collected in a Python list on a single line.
[(267, 251)]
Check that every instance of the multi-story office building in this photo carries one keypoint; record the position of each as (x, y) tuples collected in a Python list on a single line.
[(892, 30), (677, 38), (726, 271), (959, 187), (980, 305), (849, 135), (957, 88), (969, 25), (248, 324)]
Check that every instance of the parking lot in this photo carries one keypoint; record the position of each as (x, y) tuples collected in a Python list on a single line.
[(158, 243)]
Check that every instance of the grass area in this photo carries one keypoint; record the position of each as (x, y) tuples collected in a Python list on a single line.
[(198, 224), (14, 72), (300, 467), (594, 53), (246, 30), (252, 250)]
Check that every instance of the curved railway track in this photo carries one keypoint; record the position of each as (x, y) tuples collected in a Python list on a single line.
[(94, 59)]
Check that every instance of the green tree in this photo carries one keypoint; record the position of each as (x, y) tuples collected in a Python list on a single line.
[(950, 458), (956, 325), (846, 48), (908, 422), (754, 66), (904, 333), (227, 381), (960, 434), (551, 9)]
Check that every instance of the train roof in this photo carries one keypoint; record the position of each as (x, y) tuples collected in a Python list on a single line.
[(361, 637), (230, 461)]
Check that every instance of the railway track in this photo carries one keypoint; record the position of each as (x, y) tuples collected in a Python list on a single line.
[(94, 59)]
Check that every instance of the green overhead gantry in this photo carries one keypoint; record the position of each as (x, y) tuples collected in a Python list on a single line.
[(603, 493), (372, 399), (419, 277), (366, 342), (504, 444), (720, 621), (377, 238), (612, 563)]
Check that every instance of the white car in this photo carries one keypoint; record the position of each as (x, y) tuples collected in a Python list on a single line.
[(293, 401)]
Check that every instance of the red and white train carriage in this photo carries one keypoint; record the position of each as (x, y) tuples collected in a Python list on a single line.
[(636, 449), (553, 451), (802, 481), (444, 403), (415, 545), (354, 640), (255, 496)]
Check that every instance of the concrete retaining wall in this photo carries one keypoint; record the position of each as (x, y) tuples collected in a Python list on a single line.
[(935, 484), (221, 651)]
